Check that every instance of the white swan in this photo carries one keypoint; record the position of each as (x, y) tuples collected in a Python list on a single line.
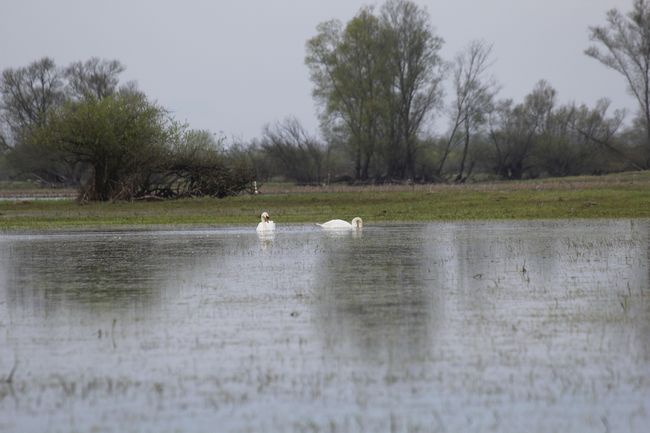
[(357, 223), (266, 225)]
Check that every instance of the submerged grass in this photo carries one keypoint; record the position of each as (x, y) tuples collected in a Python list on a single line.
[(616, 196)]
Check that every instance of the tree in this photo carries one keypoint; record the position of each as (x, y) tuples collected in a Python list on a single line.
[(514, 132), (301, 156), (377, 79), (28, 94), (198, 166), (4, 150), (473, 102), (93, 78), (346, 69), (4, 140), (598, 132), (121, 138), (416, 75), (624, 46), (251, 155)]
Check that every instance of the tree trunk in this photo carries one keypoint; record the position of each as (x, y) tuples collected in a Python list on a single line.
[(357, 162), (465, 151), (646, 163)]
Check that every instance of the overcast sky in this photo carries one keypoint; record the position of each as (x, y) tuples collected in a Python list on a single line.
[(233, 66)]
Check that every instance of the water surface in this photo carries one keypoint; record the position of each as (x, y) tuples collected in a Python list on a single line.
[(487, 326)]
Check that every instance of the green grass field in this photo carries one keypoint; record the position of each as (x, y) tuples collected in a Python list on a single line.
[(625, 195)]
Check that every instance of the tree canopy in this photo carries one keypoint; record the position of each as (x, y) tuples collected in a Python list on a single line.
[(377, 79), (121, 138)]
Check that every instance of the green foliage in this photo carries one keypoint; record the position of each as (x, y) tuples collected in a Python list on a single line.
[(29, 95), (377, 79), (121, 138), (75, 126)]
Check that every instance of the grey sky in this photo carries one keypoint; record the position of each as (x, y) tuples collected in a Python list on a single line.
[(233, 66)]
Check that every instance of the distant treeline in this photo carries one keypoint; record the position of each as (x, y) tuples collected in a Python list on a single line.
[(378, 82)]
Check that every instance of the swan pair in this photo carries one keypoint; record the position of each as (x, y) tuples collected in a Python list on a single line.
[(266, 225)]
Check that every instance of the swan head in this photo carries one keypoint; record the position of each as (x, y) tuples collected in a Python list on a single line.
[(357, 223), (265, 217)]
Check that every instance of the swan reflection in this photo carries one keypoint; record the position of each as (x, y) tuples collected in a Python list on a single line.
[(266, 239)]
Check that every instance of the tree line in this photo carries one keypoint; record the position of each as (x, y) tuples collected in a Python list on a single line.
[(379, 83), (378, 79)]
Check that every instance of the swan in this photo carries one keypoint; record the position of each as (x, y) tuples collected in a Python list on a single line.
[(266, 225), (357, 223)]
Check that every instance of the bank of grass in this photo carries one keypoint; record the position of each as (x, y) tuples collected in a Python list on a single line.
[(617, 196)]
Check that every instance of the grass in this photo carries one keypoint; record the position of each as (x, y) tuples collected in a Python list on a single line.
[(625, 195)]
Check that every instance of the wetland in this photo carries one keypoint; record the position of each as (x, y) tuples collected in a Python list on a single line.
[(444, 326)]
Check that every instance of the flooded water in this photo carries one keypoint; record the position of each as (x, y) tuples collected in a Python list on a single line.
[(444, 327)]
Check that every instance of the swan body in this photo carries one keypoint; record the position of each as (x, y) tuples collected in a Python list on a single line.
[(266, 225), (357, 223)]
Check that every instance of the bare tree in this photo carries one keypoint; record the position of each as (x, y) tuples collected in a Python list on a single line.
[(28, 94), (594, 126), (198, 166), (514, 131), (300, 155), (625, 47), (93, 78), (474, 100)]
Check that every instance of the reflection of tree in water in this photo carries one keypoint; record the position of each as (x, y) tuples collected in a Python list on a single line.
[(100, 272), (384, 291), (640, 297), (373, 293), (539, 278)]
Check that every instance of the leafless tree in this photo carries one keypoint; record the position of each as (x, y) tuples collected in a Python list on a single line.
[(301, 155), (623, 44), (93, 78), (474, 92), (514, 131), (28, 93), (594, 126)]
